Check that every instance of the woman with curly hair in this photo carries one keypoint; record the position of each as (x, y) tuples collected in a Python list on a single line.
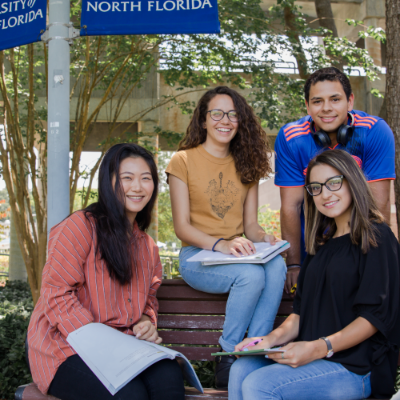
[(213, 182)]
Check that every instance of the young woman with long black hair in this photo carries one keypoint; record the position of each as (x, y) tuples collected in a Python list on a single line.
[(103, 267), (346, 320), (213, 182)]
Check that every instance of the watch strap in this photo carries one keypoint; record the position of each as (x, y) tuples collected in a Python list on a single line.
[(329, 345)]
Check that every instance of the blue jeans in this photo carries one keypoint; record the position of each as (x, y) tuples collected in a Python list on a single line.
[(255, 292), (257, 378)]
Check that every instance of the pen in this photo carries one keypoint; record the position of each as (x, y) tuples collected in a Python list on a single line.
[(251, 344)]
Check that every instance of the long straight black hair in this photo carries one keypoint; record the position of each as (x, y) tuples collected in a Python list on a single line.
[(113, 229)]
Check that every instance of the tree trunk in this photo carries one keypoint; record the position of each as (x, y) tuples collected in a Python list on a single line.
[(19, 161), (393, 86), (326, 20), (383, 110), (17, 268), (325, 15), (294, 37)]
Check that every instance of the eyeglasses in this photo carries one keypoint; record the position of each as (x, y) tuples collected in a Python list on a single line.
[(217, 115), (333, 184)]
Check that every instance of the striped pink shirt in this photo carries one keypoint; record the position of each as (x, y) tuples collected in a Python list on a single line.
[(77, 289)]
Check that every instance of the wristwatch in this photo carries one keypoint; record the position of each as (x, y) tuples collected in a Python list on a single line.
[(330, 349)]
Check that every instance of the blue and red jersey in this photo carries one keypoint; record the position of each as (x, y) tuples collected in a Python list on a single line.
[(371, 145)]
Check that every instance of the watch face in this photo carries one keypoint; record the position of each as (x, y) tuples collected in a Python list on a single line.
[(330, 354)]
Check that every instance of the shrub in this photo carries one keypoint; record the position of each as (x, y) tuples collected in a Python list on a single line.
[(270, 220), (15, 310)]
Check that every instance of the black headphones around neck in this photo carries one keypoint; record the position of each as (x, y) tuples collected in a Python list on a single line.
[(343, 135)]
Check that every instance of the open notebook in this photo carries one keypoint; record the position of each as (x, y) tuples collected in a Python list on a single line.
[(246, 352), (265, 252), (116, 358)]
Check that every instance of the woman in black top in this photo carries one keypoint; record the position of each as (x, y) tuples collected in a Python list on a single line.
[(345, 324)]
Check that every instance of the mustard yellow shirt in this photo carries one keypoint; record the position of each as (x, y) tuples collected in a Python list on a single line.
[(216, 194)]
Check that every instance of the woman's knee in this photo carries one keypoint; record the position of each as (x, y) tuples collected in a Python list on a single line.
[(255, 386), (169, 370), (238, 373), (275, 268), (251, 275), (240, 370), (277, 264), (164, 380)]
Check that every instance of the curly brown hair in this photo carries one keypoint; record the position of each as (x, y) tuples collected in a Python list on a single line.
[(249, 148)]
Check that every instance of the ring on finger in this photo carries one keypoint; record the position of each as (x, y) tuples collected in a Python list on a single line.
[(282, 356)]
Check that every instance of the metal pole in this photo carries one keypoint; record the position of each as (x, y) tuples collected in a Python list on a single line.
[(58, 113)]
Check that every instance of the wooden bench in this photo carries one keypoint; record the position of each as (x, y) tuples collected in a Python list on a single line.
[(188, 320)]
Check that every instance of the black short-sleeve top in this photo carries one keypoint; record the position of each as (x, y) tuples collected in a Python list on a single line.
[(339, 284)]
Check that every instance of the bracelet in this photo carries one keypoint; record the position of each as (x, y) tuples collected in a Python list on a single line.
[(293, 266), (330, 351), (216, 243)]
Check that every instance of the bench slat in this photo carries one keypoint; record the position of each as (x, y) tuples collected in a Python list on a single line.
[(181, 282), (197, 353), (207, 307), (285, 308), (191, 393), (190, 322), (192, 307), (190, 337), (279, 321), (187, 293), (209, 322), (31, 392)]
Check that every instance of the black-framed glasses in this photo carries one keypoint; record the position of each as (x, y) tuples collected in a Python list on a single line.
[(217, 115), (333, 184)]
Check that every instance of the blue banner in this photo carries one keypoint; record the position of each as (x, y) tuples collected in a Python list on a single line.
[(120, 17), (21, 22)]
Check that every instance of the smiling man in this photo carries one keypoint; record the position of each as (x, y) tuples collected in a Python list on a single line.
[(331, 123)]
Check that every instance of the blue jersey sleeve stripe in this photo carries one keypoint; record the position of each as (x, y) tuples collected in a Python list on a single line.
[(295, 127), (382, 179), (298, 134), (306, 128), (356, 116), (364, 122), (368, 125)]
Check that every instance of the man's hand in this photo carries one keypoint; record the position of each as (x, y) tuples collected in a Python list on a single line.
[(381, 192), (292, 200), (145, 330), (291, 278), (300, 353)]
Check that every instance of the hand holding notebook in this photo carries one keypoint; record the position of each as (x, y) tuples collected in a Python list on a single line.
[(264, 253), (257, 352)]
